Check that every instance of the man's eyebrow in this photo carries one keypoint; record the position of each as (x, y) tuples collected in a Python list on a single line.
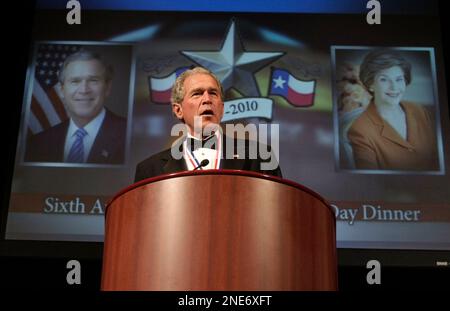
[(198, 89), (202, 89)]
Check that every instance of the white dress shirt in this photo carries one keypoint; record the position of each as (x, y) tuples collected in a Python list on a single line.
[(213, 155)]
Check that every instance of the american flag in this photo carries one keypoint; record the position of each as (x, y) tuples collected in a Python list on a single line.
[(47, 109)]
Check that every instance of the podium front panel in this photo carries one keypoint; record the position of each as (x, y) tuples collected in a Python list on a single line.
[(219, 232)]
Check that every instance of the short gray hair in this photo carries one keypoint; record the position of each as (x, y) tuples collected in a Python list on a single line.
[(177, 95), (86, 55)]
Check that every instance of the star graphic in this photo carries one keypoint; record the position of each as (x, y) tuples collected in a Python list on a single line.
[(279, 82), (233, 65)]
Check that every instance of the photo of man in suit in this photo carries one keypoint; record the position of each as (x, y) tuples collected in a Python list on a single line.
[(198, 93), (92, 134)]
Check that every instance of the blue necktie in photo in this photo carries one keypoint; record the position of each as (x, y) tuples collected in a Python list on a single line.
[(76, 153)]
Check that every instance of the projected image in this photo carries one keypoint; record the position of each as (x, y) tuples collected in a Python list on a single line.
[(78, 109), (386, 110), (370, 165)]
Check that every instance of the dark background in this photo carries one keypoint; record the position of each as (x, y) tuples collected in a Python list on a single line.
[(42, 273)]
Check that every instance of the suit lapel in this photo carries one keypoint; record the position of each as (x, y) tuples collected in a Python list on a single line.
[(58, 143), (385, 129), (100, 151), (411, 125), (171, 165)]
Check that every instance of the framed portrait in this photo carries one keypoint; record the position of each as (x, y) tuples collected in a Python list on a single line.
[(386, 110), (78, 105)]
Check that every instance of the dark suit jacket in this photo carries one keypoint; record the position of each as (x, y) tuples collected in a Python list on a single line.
[(163, 162), (108, 147)]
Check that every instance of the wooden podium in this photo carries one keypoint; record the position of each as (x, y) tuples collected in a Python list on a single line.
[(219, 230)]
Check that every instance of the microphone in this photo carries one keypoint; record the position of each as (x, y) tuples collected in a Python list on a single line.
[(202, 164)]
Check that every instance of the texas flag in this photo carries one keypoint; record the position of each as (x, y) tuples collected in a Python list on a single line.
[(297, 92), (160, 88)]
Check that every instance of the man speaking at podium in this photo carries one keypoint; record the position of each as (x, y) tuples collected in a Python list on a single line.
[(198, 97)]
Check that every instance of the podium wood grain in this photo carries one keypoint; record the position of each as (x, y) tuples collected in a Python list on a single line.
[(219, 232)]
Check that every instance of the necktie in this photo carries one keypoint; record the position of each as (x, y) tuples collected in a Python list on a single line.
[(208, 142), (76, 153)]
